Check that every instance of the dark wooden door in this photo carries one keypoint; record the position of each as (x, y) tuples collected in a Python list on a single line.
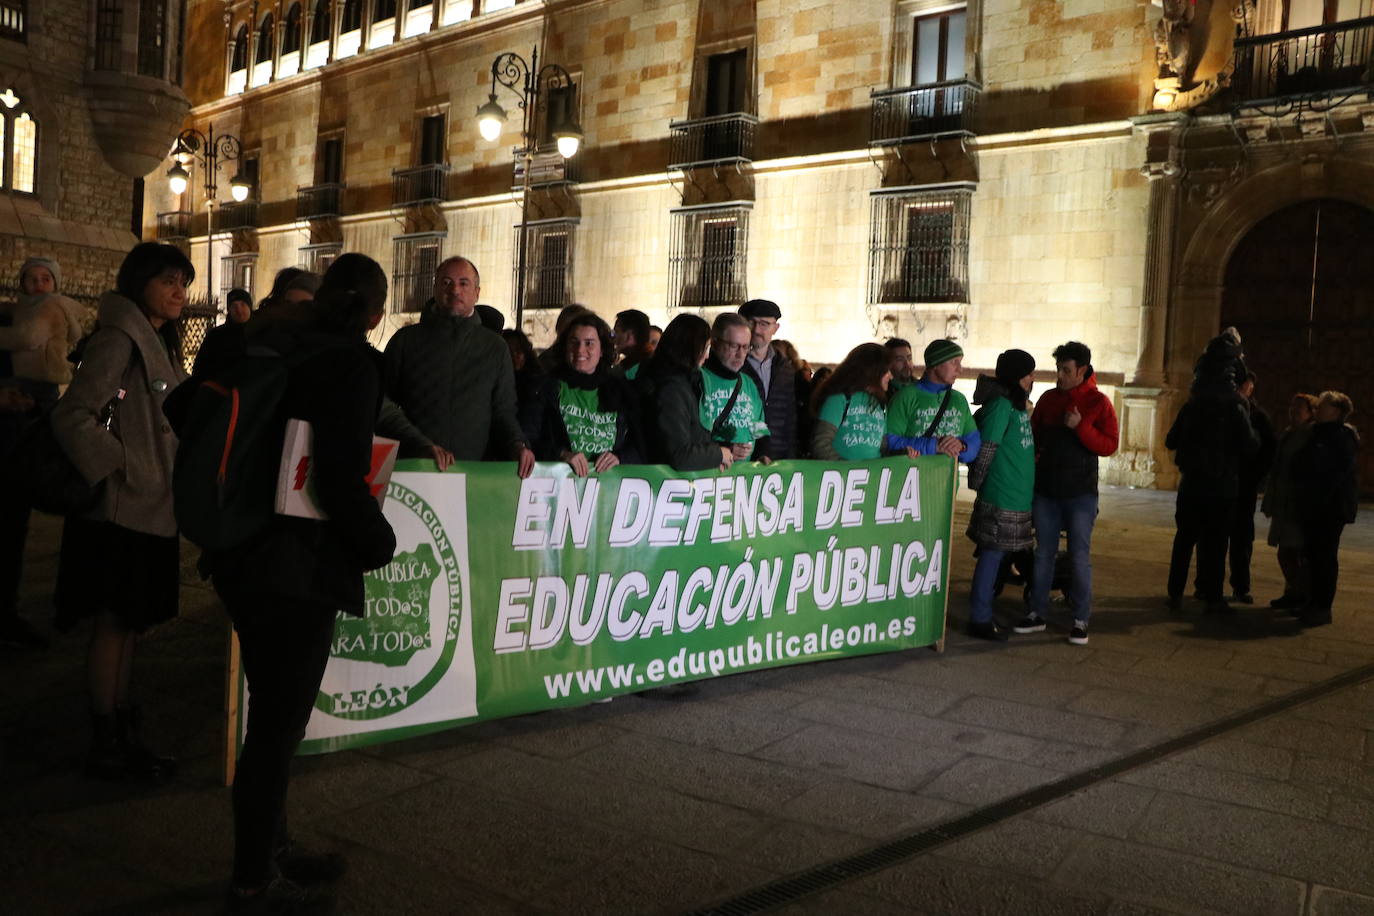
[(1300, 289)]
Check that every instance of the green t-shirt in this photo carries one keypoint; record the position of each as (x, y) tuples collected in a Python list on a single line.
[(1011, 478), (591, 430), (913, 408), (746, 422), (860, 435), (633, 372)]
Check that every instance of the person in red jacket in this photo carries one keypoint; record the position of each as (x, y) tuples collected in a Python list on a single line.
[(1074, 425)]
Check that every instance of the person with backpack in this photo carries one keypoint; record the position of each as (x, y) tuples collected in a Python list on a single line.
[(851, 407), (284, 584), (121, 562)]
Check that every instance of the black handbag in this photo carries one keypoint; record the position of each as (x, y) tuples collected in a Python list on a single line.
[(52, 483)]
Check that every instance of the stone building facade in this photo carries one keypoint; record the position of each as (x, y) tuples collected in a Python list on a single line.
[(89, 103), (1005, 172)]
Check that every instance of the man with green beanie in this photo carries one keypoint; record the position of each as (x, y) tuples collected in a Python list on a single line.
[(930, 417)]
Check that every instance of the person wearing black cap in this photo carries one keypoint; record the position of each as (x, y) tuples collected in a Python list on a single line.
[(930, 417), (1004, 476), (774, 375), (238, 306)]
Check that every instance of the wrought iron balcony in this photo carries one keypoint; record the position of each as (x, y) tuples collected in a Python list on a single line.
[(548, 168), (421, 184), (707, 141), (318, 201), (1319, 62), (174, 225), (237, 216), (924, 112)]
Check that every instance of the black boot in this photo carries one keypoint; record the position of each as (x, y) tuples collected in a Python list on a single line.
[(142, 763), (107, 758)]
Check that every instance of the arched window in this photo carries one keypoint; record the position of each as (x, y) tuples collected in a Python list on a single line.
[(352, 15), (291, 34), (240, 58), (264, 41), (384, 9), (319, 25), (18, 145)]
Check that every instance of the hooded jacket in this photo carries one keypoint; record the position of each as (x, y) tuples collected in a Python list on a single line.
[(44, 330), (135, 457), (1066, 459)]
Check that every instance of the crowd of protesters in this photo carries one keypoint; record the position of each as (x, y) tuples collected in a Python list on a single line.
[(697, 396)]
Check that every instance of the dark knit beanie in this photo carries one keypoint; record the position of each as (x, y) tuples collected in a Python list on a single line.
[(760, 308), (941, 351), (1014, 365)]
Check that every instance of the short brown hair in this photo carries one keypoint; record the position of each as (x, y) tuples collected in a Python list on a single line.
[(1338, 400)]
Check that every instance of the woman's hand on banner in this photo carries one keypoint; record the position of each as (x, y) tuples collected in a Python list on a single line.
[(605, 461), (442, 457), (524, 462), (577, 461)]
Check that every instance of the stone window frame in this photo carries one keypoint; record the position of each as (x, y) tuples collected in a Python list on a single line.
[(418, 133), (693, 272), (697, 101), (926, 270), (908, 11)]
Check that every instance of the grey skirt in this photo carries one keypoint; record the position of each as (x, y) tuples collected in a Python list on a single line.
[(994, 528)]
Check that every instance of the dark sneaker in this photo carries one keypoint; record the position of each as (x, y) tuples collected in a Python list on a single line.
[(280, 896), (297, 863), (1031, 623), (1315, 617), (989, 630), (1242, 598), (16, 631), (1079, 635)]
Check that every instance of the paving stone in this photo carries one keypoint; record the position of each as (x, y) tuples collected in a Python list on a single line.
[(786, 846), (844, 900), (1242, 757), (869, 810), (1328, 901), (982, 780), (1288, 668), (1252, 791), (382, 882), (1353, 776), (709, 725), (889, 762), (1028, 847), (764, 699), (346, 781), (944, 886), (1312, 738), (919, 729), (1155, 877), (1109, 809), (55, 872), (1294, 847), (1111, 659), (1186, 672), (1351, 810), (1091, 676), (1121, 704), (874, 691), (1065, 757), (1021, 718), (971, 681)]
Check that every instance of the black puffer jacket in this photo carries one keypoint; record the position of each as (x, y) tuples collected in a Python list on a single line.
[(672, 402), (1213, 440), (1323, 473), (542, 417)]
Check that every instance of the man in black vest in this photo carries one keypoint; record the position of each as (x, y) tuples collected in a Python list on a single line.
[(774, 375)]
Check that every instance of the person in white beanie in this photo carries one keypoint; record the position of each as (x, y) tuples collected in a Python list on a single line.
[(46, 326)]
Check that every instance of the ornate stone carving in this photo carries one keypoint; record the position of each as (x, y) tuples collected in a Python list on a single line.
[(1190, 42)]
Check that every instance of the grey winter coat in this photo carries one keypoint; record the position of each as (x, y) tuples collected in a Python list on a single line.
[(136, 460)]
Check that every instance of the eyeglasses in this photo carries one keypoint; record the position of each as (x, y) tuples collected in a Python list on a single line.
[(729, 347)]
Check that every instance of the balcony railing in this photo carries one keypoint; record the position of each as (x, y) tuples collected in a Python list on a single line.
[(319, 201), (704, 141), (548, 167), (237, 216), (174, 225), (923, 112), (1325, 60), (421, 184)]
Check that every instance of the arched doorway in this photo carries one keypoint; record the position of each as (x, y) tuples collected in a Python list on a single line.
[(1300, 289)]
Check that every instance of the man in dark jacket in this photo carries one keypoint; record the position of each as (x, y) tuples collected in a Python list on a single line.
[(774, 375), (1252, 472), (453, 379), (1074, 425)]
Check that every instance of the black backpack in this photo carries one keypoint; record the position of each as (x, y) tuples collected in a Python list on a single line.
[(224, 481)]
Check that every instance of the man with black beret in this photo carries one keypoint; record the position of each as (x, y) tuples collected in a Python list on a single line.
[(774, 375)]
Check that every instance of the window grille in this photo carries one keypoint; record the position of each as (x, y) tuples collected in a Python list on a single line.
[(152, 31), (707, 260), (14, 19), (548, 263), (415, 258), (918, 245), (109, 23), (318, 258), (237, 272)]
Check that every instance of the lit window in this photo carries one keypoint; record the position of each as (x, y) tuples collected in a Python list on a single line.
[(18, 145), (918, 245)]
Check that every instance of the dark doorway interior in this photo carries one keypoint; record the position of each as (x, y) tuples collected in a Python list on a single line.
[(1300, 289)]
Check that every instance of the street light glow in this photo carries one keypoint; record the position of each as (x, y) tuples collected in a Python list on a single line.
[(177, 177), (239, 188), (568, 142), (490, 117)]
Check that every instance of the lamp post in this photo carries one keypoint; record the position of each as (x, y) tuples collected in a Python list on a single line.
[(211, 151), (529, 82)]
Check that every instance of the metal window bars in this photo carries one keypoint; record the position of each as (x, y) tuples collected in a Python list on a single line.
[(707, 261), (420, 184), (1324, 60), (549, 263), (414, 260), (703, 141), (14, 20), (918, 246), (235, 215), (319, 201), (923, 112), (174, 225)]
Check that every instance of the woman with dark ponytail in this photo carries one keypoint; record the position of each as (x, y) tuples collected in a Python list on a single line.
[(283, 591)]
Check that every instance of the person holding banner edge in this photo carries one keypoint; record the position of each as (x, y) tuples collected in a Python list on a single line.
[(930, 417), (672, 390)]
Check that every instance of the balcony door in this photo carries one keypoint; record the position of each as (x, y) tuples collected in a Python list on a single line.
[(937, 56)]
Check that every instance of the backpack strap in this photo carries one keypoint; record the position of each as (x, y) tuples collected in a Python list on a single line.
[(939, 414)]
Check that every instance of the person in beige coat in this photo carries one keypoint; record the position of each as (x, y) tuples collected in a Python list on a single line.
[(120, 564), (45, 326)]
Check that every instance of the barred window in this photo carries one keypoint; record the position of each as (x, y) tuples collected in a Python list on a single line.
[(152, 31), (14, 19), (237, 271), (318, 258), (706, 263), (415, 258), (918, 245), (18, 145), (548, 263), (109, 24)]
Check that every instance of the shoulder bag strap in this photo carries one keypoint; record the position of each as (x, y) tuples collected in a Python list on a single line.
[(940, 414), (729, 406)]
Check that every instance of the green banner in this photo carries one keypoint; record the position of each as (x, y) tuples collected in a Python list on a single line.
[(509, 596)]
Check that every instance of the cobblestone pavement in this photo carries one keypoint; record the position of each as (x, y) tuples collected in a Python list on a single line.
[(645, 805)]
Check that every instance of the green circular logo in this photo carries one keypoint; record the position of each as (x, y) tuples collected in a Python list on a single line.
[(408, 633)]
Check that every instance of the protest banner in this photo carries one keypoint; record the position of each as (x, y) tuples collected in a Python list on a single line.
[(507, 596)]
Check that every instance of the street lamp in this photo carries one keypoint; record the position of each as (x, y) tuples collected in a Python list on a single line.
[(210, 152), (529, 82)]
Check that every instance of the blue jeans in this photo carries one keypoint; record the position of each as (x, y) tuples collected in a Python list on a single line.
[(1076, 514), (984, 582)]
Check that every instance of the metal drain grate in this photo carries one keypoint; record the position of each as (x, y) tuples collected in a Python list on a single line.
[(824, 877)]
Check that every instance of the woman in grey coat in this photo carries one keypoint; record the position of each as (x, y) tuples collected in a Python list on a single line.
[(120, 563)]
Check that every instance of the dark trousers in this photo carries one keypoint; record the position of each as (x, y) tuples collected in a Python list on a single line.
[(14, 531), (1242, 542), (283, 647), (1321, 542), (1202, 514)]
